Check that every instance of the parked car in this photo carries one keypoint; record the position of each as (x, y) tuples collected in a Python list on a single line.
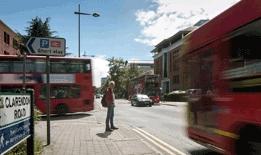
[(98, 95), (155, 99), (141, 100), (177, 96)]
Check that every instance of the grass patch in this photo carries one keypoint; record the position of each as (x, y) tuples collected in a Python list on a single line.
[(21, 148)]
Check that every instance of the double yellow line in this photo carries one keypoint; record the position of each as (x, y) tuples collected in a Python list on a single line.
[(159, 143)]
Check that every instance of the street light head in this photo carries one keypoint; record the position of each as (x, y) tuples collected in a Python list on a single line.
[(95, 15)]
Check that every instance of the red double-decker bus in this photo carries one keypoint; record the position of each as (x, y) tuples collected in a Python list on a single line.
[(145, 84), (70, 81), (222, 63)]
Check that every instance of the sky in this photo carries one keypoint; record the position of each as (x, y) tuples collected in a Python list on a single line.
[(128, 29)]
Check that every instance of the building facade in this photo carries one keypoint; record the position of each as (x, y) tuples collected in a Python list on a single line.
[(8, 40), (167, 60), (145, 66)]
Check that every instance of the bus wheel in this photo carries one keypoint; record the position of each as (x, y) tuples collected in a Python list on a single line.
[(61, 109), (249, 142)]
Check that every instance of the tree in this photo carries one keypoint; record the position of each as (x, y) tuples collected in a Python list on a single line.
[(121, 75), (117, 72), (37, 28)]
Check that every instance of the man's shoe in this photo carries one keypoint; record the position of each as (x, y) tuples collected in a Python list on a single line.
[(114, 128), (108, 130)]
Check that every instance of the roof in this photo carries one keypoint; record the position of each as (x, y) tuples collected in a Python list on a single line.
[(145, 75), (1, 22), (140, 62), (176, 37)]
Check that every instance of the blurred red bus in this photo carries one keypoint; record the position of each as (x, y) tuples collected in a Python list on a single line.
[(222, 59), (70, 81)]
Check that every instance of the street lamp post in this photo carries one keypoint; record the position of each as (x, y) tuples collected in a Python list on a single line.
[(79, 13)]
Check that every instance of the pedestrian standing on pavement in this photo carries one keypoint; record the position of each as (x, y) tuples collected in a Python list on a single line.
[(110, 100)]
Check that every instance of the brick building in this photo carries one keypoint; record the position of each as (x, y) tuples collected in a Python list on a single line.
[(8, 40), (167, 61)]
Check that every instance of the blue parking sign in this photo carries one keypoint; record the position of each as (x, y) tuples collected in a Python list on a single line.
[(44, 43)]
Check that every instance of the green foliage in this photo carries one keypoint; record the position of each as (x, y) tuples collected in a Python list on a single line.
[(116, 72), (37, 28), (37, 114), (121, 75), (21, 148)]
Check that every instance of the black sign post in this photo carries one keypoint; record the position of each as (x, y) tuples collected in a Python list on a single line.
[(48, 99), (30, 140), (47, 46)]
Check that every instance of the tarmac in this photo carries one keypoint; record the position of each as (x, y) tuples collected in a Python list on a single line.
[(169, 103), (82, 134)]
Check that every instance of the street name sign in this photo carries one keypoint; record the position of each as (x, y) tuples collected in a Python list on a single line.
[(15, 113), (46, 46)]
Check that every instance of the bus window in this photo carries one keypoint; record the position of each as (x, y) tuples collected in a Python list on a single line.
[(74, 67), (75, 91), (69, 67), (30, 66), (40, 66), (87, 67), (58, 67), (245, 59), (4, 66), (62, 92), (17, 66)]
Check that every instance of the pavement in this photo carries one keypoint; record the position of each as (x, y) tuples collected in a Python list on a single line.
[(81, 134)]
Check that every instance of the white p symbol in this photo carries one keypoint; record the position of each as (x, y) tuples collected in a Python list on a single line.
[(44, 43)]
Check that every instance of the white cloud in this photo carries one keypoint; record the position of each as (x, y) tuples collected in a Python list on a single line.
[(170, 16), (100, 69)]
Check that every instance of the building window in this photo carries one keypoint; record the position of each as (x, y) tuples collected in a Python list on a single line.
[(165, 65), (6, 53), (6, 38), (176, 79)]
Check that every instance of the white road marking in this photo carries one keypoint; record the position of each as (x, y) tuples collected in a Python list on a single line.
[(155, 143), (163, 145)]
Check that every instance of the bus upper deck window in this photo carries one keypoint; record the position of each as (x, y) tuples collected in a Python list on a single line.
[(88, 67)]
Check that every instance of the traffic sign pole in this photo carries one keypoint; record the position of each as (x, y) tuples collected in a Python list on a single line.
[(48, 99), (47, 46), (30, 140), (24, 71)]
